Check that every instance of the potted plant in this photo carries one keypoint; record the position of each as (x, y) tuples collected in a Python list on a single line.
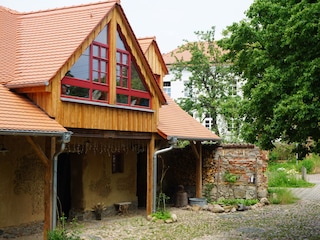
[(98, 209)]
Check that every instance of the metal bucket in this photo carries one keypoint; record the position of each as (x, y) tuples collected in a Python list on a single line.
[(198, 201)]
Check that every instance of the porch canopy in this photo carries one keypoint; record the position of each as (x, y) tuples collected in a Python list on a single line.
[(18, 116), (176, 123)]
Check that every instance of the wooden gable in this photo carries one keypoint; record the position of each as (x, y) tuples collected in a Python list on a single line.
[(152, 52), (103, 116)]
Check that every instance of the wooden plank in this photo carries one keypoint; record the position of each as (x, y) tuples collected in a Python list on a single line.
[(150, 175), (38, 151), (50, 150), (197, 150)]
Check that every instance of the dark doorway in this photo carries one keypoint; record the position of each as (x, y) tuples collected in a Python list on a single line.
[(63, 185), (142, 179)]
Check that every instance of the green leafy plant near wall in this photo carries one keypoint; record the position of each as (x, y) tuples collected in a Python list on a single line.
[(229, 177), (61, 233), (207, 191)]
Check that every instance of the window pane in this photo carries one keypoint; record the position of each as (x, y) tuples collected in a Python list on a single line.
[(122, 98), (103, 66), (125, 82), (137, 101), (136, 81), (95, 64), (124, 72), (99, 95), (80, 69), (95, 76), (117, 163), (103, 53), (120, 44), (95, 51), (103, 78), (103, 36), (118, 57), (79, 92), (125, 59)]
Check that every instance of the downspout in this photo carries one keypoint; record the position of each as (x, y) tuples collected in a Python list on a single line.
[(65, 139), (172, 142)]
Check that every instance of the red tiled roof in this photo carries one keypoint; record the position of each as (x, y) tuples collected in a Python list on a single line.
[(20, 116), (169, 58), (45, 40), (145, 43), (175, 122)]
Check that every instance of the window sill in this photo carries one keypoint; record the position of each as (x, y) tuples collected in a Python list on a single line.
[(64, 99)]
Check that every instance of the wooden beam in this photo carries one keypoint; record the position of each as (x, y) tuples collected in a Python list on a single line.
[(39, 151), (50, 150), (150, 175), (197, 150)]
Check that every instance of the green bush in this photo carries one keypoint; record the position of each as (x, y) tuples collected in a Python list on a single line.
[(285, 177), (246, 202), (282, 151), (162, 215), (281, 196), (61, 233), (308, 164)]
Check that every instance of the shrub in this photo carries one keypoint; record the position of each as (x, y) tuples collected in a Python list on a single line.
[(308, 164), (282, 151), (246, 202), (282, 177), (163, 215), (60, 233), (281, 196)]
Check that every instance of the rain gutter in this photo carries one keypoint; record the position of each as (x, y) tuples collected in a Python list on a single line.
[(65, 139), (173, 143)]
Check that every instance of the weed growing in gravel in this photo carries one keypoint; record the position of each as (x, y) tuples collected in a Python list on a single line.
[(281, 196), (246, 202)]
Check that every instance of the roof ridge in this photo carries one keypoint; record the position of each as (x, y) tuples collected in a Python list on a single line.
[(9, 10), (64, 7)]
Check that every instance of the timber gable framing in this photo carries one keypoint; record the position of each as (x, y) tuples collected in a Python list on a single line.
[(104, 116)]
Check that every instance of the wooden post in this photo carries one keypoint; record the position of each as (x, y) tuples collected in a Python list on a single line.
[(50, 149), (197, 150), (150, 175)]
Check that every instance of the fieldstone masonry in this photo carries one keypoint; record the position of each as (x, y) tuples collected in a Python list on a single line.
[(245, 162)]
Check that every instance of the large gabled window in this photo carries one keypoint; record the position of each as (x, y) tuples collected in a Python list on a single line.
[(89, 79), (131, 89)]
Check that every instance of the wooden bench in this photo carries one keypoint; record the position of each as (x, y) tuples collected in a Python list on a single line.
[(122, 207)]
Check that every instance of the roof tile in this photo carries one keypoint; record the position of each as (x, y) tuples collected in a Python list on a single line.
[(45, 40), (19, 115), (175, 122)]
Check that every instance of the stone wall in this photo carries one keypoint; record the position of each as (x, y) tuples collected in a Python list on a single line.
[(245, 162), (236, 171)]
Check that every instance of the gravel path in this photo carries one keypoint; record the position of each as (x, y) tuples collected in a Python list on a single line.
[(296, 221)]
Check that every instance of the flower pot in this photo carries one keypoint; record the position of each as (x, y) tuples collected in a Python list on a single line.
[(98, 215)]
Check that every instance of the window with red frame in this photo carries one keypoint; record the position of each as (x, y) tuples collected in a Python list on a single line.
[(88, 77), (131, 89)]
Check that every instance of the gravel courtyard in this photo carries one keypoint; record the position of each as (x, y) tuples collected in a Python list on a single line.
[(296, 221)]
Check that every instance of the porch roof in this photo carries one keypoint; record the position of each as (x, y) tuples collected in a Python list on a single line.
[(175, 122), (19, 116)]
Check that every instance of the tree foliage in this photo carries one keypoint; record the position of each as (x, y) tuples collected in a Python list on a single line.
[(211, 85), (277, 50)]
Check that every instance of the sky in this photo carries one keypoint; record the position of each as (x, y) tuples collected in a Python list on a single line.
[(170, 21)]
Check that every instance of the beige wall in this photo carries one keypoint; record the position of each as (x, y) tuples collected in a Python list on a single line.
[(21, 182), (22, 177), (101, 185)]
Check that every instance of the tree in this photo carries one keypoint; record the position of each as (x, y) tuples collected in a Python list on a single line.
[(211, 86), (277, 50)]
